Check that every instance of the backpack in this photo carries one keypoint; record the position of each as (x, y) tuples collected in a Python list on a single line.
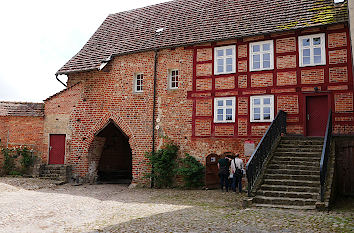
[(238, 171)]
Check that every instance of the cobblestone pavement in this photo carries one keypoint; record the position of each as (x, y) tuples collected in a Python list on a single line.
[(33, 205)]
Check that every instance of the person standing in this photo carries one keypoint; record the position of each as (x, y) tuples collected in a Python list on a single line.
[(237, 167), (223, 166)]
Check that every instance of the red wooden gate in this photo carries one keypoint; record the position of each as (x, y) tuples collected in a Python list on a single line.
[(56, 148), (211, 172), (316, 115)]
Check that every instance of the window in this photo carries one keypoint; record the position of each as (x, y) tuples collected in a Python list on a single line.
[(312, 50), (261, 55), (173, 79), (138, 82), (224, 60), (224, 109), (262, 108)]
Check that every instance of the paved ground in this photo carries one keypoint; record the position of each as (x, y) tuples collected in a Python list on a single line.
[(32, 205)]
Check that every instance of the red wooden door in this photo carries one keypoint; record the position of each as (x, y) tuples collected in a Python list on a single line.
[(316, 115), (56, 148)]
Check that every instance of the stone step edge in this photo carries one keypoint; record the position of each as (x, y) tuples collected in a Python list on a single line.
[(286, 192), (285, 198), (285, 170), (306, 207), (285, 186), (302, 181)]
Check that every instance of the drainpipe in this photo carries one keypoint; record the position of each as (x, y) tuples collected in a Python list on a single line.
[(56, 76), (154, 111)]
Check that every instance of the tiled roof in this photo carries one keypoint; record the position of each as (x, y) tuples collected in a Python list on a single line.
[(188, 22), (21, 109)]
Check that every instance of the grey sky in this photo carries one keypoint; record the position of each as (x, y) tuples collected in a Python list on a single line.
[(39, 36)]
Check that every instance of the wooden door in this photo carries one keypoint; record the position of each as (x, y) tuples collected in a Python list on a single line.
[(56, 148), (211, 172), (316, 115), (345, 166)]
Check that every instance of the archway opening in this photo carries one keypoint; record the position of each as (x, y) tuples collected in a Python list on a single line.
[(115, 163)]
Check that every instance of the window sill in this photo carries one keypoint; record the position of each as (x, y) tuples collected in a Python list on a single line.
[(311, 65), (262, 69), (267, 121), (233, 72)]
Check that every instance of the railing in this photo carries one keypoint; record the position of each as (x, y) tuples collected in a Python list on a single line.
[(325, 155), (259, 156)]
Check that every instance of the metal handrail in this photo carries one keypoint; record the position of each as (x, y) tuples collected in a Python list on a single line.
[(255, 163), (325, 155)]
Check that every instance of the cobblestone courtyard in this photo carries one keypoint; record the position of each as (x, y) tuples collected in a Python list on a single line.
[(33, 205)]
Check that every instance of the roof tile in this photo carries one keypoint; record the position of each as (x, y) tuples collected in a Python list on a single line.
[(188, 22)]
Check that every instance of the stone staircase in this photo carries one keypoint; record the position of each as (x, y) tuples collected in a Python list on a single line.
[(54, 172), (292, 176)]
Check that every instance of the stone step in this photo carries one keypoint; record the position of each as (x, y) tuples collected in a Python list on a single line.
[(301, 138), (294, 171), (281, 158), (309, 207), (311, 154), (284, 201), (301, 142), (299, 149), (53, 172), (310, 164), (292, 177), (305, 195), (299, 183), (297, 166), (286, 188)]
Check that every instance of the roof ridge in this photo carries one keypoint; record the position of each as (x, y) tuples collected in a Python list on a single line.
[(20, 102)]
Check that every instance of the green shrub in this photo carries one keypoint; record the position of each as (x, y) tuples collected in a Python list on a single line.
[(9, 160), (163, 165), (15, 173), (27, 159), (23, 155), (192, 172)]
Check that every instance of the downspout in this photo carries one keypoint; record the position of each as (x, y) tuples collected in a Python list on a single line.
[(56, 76), (153, 112)]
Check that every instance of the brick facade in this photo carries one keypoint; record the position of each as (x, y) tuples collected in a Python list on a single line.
[(16, 131), (186, 114)]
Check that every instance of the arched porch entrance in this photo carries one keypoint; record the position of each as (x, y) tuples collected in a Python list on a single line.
[(112, 155)]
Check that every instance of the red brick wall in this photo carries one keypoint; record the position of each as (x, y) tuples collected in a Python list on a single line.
[(58, 110), (21, 131)]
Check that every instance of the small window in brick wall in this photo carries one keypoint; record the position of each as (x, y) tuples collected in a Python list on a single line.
[(261, 55), (224, 109), (173, 79), (225, 60), (262, 108), (138, 82), (312, 50)]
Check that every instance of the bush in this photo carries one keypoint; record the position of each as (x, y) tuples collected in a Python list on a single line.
[(23, 155), (192, 172), (9, 160), (163, 165), (27, 159)]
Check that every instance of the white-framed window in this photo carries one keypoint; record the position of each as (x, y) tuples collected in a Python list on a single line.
[(261, 55), (173, 79), (224, 109), (138, 82), (225, 59), (312, 51), (262, 108)]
